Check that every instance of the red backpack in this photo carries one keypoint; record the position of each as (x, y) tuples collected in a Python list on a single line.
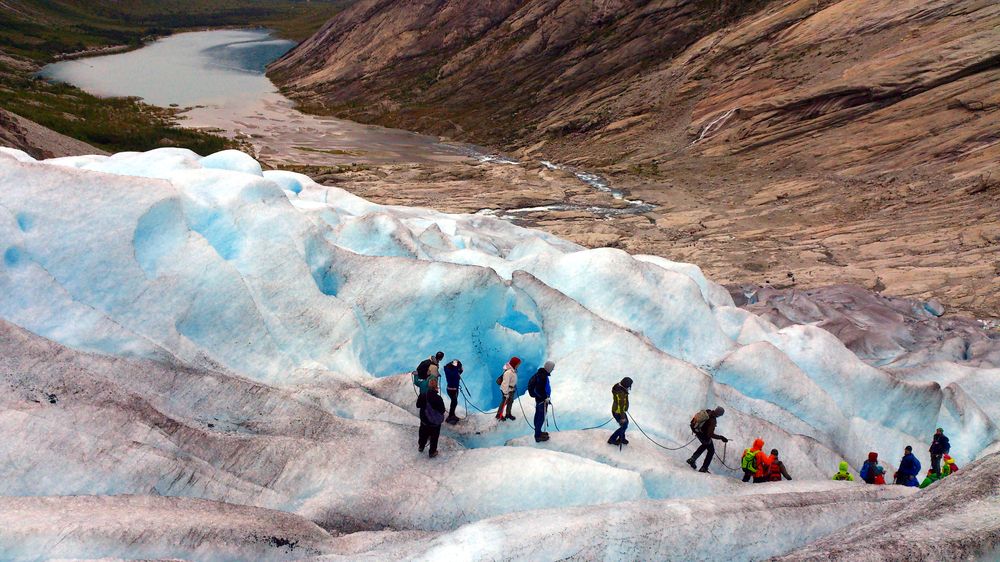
[(774, 471)]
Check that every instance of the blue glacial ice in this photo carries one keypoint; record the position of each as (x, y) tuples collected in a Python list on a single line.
[(191, 327)]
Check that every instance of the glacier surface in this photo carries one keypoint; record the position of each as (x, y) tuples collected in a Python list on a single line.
[(198, 336)]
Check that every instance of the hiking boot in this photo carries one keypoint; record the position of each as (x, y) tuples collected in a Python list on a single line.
[(421, 449), (501, 419), (691, 463), (705, 470), (542, 437), (432, 455), (624, 441), (452, 421), (510, 417), (545, 433), (611, 442)]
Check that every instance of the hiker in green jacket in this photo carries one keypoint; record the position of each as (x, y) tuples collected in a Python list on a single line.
[(619, 410), (843, 474)]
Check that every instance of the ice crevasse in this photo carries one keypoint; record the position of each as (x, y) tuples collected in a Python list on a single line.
[(315, 303)]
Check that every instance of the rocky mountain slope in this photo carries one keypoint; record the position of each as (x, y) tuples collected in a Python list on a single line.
[(649, 79), (836, 140), (38, 141)]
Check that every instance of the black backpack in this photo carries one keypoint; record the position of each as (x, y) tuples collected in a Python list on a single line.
[(531, 385), (422, 369)]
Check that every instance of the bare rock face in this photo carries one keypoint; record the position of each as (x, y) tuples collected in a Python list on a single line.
[(849, 84)]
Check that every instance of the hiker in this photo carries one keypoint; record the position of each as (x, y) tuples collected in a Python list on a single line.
[(541, 391), (425, 370), (939, 447), (879, 479), (508, 387), (776, 469), (843, 473), (868, 468), (931, 478), (752, 458), (703, 426), (453, 377), (619, 410), (909, 468), (949, 463), (432, 410)]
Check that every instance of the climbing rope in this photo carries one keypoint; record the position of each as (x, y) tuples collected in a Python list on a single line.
[(468, 399), (555, 421), (523, 415), (653, 441)]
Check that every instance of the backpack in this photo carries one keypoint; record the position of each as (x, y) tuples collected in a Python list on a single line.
[(500, 379), (422, 368), (433, 416), (868, 472), (532, 382), (698, 421), (774, 472), (749, 462)]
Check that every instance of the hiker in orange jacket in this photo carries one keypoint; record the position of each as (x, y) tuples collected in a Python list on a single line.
[(751, 459)]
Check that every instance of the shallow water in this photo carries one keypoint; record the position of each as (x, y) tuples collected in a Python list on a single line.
[(219, 76)]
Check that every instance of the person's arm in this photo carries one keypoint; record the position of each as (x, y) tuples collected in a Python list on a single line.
[(783, 471), (421, 400), (438, 403)]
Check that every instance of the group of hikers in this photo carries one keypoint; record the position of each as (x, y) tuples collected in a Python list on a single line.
[(909, 466), (756, 465)]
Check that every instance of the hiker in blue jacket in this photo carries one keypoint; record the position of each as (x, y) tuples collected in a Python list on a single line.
[(909, 468), (540, 389), (453, 376)]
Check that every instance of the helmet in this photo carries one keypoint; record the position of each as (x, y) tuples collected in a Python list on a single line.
[(627, 382)]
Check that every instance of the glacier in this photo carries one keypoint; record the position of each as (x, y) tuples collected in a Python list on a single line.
[(194, 342)]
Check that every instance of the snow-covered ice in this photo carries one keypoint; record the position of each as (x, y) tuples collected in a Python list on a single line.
[(191, 327)]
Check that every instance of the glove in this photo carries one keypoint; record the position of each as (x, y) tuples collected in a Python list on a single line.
[(723, 439), (548, 401)]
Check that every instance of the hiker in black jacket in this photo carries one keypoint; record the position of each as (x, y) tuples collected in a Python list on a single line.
[(703, 426), (432, 411)]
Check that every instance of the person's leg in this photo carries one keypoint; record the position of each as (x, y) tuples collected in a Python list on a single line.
[(936, 463), (453, 394), (710, 454), (747, 475), (539, 418), (422, 437), (435, 432), (510, 403), (500, 408), (624, 429), (619, 433), (697, 453)]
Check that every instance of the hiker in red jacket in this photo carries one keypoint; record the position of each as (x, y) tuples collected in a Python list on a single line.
[(776, 469)]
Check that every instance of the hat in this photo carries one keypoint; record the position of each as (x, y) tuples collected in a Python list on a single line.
[(719, 411), (549, 365), (627, 382), (873, 456), (774, 452), (908, 448), (514, 362)]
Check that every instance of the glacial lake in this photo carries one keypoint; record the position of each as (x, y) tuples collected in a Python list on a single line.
[(217, 78)]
